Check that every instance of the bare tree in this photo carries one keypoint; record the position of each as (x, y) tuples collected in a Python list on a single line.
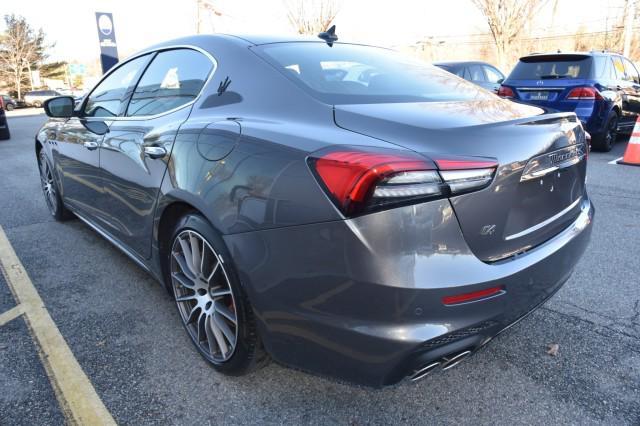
[(311, 16), (507, 20), (204, 8), (21, 48)]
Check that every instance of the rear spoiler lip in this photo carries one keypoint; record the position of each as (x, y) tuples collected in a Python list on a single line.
[(548, 57)]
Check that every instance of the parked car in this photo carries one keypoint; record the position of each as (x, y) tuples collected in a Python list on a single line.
[(9, 103), (602, 88), (4, 125), (370, 229), (481, 73), (36, 98)]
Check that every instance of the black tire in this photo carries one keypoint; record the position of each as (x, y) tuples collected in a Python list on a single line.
[(9, 107), (5, 134), (48, 183), (605, 141), (248, 353)]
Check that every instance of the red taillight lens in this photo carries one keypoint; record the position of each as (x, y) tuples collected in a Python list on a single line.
[(360, 181), (352, 176), (506, 92), (584, 93), (473, 296)]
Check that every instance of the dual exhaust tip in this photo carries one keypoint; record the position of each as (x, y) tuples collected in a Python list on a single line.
[(446, 362)]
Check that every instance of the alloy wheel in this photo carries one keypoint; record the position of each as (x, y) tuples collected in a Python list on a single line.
[(204, 297), (48, 185)]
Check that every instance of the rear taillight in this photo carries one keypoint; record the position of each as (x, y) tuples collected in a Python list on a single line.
[(360, 181), (584, 93), (506, 92)]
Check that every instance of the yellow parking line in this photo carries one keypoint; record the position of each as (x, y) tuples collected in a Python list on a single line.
[(76, 395), (11, 314)]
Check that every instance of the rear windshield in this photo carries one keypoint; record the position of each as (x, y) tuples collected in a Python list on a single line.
[(552, 67), (353, 74)]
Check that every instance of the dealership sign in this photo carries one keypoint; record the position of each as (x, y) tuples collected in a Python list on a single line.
[(107, 37)]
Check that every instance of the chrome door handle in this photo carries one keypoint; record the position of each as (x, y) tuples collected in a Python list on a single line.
[(155, 151), (91, 145)]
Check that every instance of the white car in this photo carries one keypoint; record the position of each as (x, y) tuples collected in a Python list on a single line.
[(36, 98)]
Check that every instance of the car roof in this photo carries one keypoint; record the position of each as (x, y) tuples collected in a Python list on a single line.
[(460, 63), (207, 40)]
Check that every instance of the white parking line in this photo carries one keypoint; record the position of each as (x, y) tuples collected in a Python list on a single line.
[(615, 161), (77, 398)]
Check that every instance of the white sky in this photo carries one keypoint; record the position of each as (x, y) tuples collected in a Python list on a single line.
[(70, 24)]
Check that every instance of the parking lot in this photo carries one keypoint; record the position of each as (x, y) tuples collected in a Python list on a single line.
[(124, 332)]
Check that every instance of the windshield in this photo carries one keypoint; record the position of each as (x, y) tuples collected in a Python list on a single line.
[(352, 74), (552, 67)]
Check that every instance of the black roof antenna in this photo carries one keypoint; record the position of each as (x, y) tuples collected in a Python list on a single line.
[(329, 36)]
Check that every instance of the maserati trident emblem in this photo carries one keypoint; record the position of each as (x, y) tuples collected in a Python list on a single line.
[(539, 82)]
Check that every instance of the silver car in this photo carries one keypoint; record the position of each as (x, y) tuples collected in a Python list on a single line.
[(36, 98)]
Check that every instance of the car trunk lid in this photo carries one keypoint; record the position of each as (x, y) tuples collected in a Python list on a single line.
[(540, 179)]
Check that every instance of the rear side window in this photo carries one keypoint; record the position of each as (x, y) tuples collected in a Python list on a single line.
[(619, 68), (493, 75), (545, 67), (630, 71), (476, 73), (108, 98), (174, 78)]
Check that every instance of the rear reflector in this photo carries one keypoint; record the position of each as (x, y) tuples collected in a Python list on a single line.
[(473, 296), (584, 93)]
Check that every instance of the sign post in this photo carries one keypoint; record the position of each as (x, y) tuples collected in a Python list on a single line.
[(107, 37)]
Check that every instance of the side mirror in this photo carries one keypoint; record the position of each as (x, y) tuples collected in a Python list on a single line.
[(59, 107)]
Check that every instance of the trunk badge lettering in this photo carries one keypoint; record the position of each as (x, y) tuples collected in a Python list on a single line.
[(551, 162)]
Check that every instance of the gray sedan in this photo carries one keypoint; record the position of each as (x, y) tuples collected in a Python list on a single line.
[(339, 208)]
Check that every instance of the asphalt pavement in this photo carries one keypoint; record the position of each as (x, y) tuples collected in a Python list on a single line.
[(125, 333)]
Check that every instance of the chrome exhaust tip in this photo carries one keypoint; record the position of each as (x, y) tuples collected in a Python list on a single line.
[(451, 361), (424, 371)]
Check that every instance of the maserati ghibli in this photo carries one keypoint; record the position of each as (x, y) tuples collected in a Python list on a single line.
[(339, 208)]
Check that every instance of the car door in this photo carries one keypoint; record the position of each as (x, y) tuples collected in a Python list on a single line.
[(625, 88), (633, 93), (135, 154), (75, 147), (493, 78)]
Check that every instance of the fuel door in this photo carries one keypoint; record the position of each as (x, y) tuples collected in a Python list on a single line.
[(218, 139)]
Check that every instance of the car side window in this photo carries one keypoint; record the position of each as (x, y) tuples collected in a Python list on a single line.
[(108, 98), (466, 74), (174, 78), (476, 73), (493, 75), (631, 71), (618, 67)]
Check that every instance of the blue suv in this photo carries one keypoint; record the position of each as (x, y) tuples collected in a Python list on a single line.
[(602, 88)]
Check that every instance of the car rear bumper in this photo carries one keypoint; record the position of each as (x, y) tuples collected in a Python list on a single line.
[(361, 299)]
